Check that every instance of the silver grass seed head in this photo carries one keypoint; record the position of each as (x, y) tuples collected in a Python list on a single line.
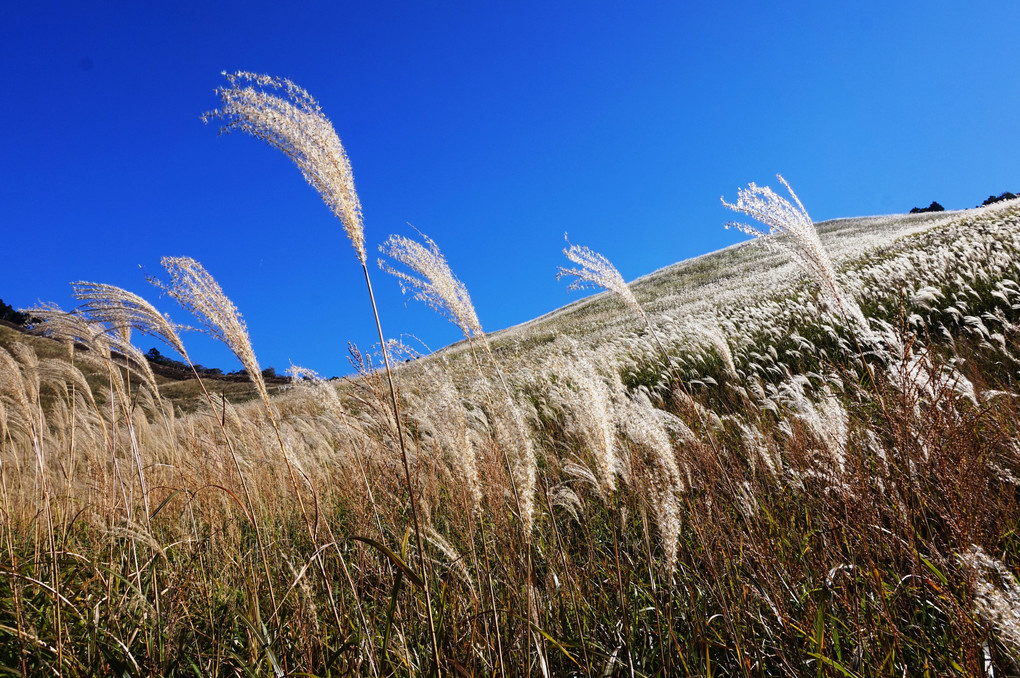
[(287, 118), (596, 270), (136, 360), (119, 308), (711, 333), (62, 373), (438, 286), (13, 383), (194, 289), (996, 594), (789, 226), (773, 210), (70, 328), (586, 400), (441, 411)]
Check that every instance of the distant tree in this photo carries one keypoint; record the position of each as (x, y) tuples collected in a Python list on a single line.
[(269, 373), (933, 207), (998, 198), (11, 315)]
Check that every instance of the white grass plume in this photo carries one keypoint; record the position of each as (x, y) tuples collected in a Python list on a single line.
[(791, 229), (511, 433), (438, 286), (287, 118), (118, 308), (70, 328), (825, 417), (585, 399), (441, 412), (60, 375), (596, 270), (14, 387), (656, 466), (198, 292), (996, 594), (29, 362), (709, 333)]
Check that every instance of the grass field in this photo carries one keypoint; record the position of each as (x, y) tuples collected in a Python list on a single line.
[(726, 468)]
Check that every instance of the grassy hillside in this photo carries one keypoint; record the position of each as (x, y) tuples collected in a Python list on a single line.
[(753, 479), (179, 386)]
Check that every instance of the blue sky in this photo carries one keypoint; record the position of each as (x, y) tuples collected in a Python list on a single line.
[(493, 128)]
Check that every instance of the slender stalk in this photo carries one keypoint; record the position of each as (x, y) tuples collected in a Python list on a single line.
[(570, 580), (517, 496), (8, 521), (44, 483), (407, 473), (492, 598), (727, 615), (244, 483)]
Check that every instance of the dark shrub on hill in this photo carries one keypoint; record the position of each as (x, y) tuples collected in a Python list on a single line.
[(11, 315), (156, 358), (933, 207), (992, 199)]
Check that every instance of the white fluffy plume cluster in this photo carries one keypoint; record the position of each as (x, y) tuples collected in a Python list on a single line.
[(438, 286), (193, 288), (286, 117), (791, 229), (596, 270), (121, 309)]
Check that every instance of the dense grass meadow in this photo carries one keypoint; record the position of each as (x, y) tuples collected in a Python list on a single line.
[(796, 456)]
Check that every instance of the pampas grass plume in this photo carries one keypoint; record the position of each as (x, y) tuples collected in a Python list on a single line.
[(287, 118), (438, 286), (194, 289), (596, 270)]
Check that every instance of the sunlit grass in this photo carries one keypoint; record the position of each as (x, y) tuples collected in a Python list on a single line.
[(718, 476)]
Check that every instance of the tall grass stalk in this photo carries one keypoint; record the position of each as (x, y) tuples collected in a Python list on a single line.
[(289, 119), (791, 229), (13, 385), (437, 286), (195, 290), (596, 270)]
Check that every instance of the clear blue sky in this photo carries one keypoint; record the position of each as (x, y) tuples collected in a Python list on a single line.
[(492, 127)]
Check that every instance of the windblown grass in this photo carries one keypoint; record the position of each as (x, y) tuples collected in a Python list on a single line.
[(733, 479)]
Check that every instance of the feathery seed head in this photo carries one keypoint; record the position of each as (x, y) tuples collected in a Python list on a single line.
[(644, 425), (444, 413), (70, 328), (791, 228), (195, 290), (996, 594), (287, 118), (14, 387), (773, 210), (119, 308), (438, 287), (712, 334), (598, 271), (586, 401)]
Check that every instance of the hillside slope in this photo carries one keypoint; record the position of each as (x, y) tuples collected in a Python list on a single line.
[(730, 289), (756, 482)]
